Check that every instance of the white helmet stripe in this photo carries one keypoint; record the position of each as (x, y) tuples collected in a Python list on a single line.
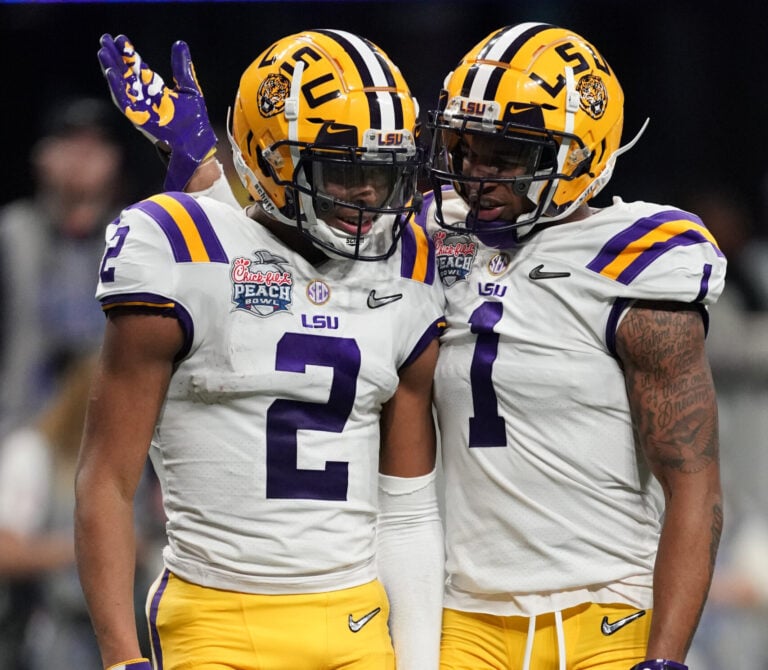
[(373, 75), (482, 87)]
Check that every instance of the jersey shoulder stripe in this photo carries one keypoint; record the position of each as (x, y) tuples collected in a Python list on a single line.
[(187, 227), (152, 302), (417, 254), (632, 250), (137, 300)]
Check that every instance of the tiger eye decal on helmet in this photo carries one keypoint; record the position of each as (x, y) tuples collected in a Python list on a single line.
[(593, 95), (272, 94), (538, 93), (317, 115)]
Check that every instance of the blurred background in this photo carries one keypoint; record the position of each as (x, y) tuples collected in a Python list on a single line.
[(696, 69)]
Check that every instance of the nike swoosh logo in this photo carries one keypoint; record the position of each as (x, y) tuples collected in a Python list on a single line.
[(375, 301), (356, 624), (538, 273), (610, 628)]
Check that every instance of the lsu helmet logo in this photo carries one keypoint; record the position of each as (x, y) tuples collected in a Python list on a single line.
[(272, 94), (260, 285), (593, 95)]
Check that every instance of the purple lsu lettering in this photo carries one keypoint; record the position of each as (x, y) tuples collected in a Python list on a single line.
[(473, 108), (320, 321), (390, 139)]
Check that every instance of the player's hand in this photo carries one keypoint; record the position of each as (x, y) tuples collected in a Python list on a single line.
[(133, 664), (659, 664), (174, 119)]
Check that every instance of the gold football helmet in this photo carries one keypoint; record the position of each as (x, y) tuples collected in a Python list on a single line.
[(551, 104), (323, 136)]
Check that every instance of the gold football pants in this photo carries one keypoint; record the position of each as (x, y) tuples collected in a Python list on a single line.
[(207, 629), (585, 637)]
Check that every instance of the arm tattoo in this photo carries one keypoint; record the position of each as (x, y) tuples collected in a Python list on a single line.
[(670, 387)]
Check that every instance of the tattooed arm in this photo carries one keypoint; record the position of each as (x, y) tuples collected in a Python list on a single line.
[(674, 412)]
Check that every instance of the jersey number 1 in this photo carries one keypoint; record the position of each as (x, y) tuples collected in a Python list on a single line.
[(486, 427)]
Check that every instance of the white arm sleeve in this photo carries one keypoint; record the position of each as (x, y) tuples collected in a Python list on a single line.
[(410, 560)]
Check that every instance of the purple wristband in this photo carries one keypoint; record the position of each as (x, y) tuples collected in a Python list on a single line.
[(135, 664), (659, 664)]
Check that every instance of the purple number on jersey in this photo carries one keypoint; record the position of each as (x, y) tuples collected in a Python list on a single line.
[(285, 417), (113, 251), (486, 427)]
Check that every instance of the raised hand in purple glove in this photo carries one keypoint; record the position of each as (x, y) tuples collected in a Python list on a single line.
[(174, 119)]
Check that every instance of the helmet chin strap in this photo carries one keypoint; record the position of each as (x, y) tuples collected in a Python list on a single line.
[(607, 172), (595, 187), (250, 181)]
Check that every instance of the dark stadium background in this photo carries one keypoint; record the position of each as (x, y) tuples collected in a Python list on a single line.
[(697, 69)]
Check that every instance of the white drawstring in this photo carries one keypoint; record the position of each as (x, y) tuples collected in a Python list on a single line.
[(561, 656), (560, 639), (529, 643)]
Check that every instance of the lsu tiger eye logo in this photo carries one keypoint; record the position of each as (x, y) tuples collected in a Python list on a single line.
[(593, 96), (272, 94)]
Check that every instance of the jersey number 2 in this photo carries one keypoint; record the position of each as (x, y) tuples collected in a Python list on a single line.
[(286, 417)]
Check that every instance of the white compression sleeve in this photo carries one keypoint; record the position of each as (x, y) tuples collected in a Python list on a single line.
[(410, 560)]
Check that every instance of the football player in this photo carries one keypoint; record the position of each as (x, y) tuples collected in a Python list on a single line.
[(574, 396), (271, 371), (575, 402)]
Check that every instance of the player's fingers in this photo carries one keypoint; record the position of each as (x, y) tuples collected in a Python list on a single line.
[(108, 55), (183, 70), (117, 88)]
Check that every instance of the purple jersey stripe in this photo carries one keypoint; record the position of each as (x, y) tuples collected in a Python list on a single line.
[(152, 301), (184, 244), (178, 244), (704, 288), (417, 260), (216, 253), (647, 257), (157, 650), (622, 243), (435, 330)]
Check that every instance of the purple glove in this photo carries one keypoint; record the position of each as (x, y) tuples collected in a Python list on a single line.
[(659, 664), (175, 120)]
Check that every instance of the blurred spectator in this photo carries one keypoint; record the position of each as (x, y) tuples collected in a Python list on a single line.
[(50, 249), (731, 635), (43, 614), (38, 581), (50, 325)]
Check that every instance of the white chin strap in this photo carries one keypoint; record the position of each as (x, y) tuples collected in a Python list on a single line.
[(594, 188), (338, 239), (607, 172)]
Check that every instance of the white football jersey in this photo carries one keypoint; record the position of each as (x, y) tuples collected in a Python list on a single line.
[(548, 501), (267, 447)]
